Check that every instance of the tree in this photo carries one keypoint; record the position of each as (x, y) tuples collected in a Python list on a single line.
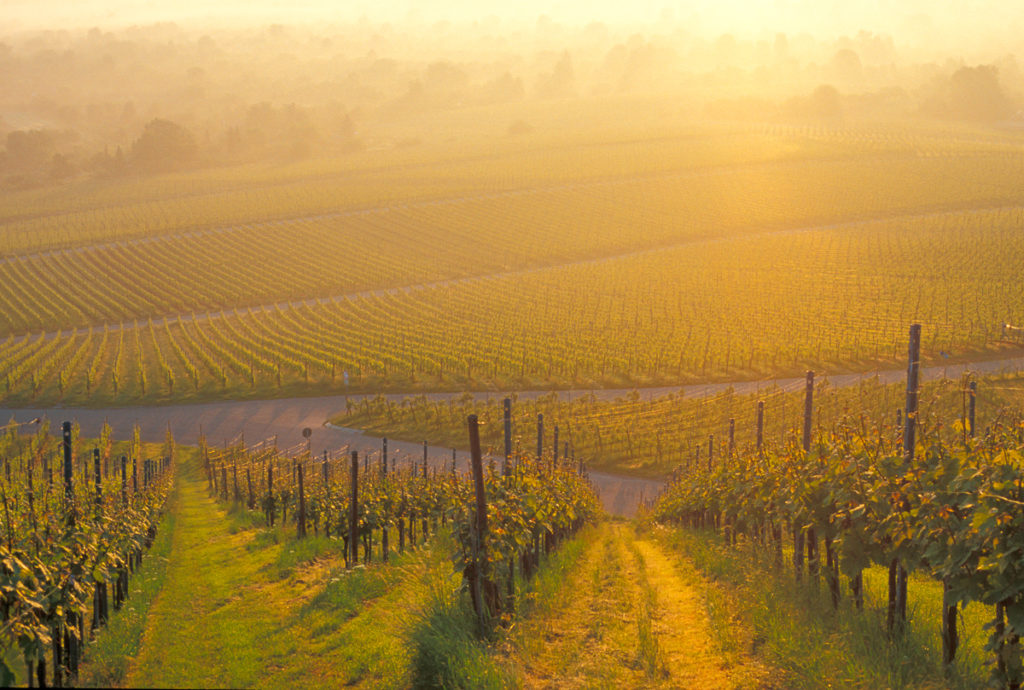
[(975, 94), (29, 149), (164, 146), (826, 103), (560, 82)]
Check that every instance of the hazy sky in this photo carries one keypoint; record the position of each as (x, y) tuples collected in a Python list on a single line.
[(957, 22)]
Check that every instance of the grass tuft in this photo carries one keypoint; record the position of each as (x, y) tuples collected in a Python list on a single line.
[(446, 650)]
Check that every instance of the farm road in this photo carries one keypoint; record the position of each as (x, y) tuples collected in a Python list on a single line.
[(285, 418)]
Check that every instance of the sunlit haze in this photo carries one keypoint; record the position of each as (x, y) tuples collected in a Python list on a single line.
[(332, 334), (951, 25)]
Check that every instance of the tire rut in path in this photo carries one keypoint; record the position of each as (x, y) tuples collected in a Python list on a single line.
[(680, 624), (585, 639)]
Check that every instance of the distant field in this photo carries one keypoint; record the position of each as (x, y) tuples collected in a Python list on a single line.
[(608, 261)]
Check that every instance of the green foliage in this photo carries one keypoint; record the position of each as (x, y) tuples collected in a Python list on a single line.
[(953, 513), (539, 504), (532, 505), (55, 552), (655, 436)]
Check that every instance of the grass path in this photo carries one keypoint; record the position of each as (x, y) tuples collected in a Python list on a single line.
[(689, 653), (243, 607), (250, 607), (586, 639)]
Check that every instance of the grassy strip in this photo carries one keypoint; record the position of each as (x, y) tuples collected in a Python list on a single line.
[(547, 591), (249, 607), (582, 628), (797, 631), (448, 652), (106, 659)]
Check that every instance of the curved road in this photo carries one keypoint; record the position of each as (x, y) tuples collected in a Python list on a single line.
[(285, 418)]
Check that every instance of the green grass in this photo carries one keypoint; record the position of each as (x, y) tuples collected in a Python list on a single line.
[(447, 652), (547, 590), (795, 629), (246, 606), (106, 659)]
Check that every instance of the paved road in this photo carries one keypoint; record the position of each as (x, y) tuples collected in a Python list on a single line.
[(285, 418), (261, 419)]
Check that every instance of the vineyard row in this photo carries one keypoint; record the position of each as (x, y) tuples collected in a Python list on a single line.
[(252, 264), (834, 298)]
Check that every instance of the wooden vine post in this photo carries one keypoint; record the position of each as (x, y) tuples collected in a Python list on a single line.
[(813, 556), (950, 635), (507, 467), (384, 546), (423, 523), (301, 532), (69, 491), (798, 531), (327, 497), (97, 467), (100, 609), (353, 514), (897, 611), (483, 591), (760, 427), (540, 437), (972, 397), (270, 492), (506, 471), (775, 524), (71, 642)]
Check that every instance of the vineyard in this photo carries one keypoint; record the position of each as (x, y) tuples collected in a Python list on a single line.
[(930, 490), (843, 504), (819, 245), (651, 318), (653, 436), (908, 501), (78, 518), (345, 252), (95, 213), (710, 255), (529, 507)]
